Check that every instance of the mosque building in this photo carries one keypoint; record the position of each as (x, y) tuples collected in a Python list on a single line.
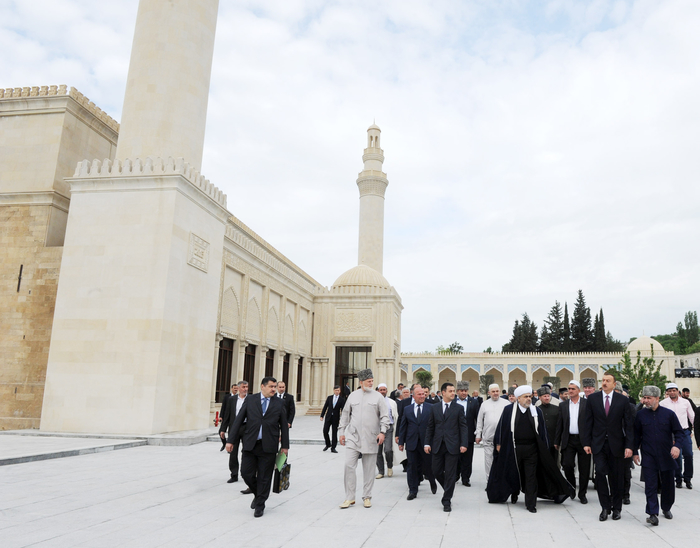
[(133, 297)]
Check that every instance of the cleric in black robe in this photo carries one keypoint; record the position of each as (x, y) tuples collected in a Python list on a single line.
[(528, 465)]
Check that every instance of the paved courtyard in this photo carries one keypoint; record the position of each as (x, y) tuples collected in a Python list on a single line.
[(178, 496)]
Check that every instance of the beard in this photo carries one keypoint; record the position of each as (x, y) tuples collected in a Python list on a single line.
[(367, 388)]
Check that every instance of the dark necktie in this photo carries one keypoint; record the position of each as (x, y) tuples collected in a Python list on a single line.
[(444, 409), (607, 405), (419, 413), (264, 405)]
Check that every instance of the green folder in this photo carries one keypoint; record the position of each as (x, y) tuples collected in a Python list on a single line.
[(281, 459)]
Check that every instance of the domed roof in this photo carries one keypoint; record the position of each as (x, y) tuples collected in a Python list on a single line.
[(644, 344), (373, 126), (361, 275)]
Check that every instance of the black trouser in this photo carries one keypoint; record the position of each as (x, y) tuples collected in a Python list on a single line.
[(651, 485), (609, 478), (330, 425), (233, 460), (526, 456), (256, 469), (574, 449), (628, 478), (464, 464), (445, 471), (386, 449), (419, 463)]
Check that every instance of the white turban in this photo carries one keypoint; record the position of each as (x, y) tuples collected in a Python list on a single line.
[(576, 383), (520, 390), (382, 385), (492, 386)]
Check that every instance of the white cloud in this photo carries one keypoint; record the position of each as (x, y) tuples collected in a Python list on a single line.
[(532, 149)]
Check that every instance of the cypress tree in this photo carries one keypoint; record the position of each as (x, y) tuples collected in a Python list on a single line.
[(566, 339), (581, 333), (553, 330)]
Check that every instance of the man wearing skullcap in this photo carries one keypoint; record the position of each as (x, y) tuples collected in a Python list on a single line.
[(572, 413), (523, 461), (486, 423), (551, 416), (545, 389), (471, 412), (655, 429), (608, 435), (363, 425), (684, 411)]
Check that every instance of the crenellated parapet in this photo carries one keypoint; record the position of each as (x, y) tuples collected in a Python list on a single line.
[(62, 90), (149, 167)]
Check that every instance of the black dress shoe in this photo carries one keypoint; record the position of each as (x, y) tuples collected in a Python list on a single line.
[(689, 484), (247, 491), (447, 508), (411, 496), (626, 501), (327, 447), (232, 479), (653, 519), (679, 485), (583, 498), (532, 510), (668, 514), (466, 483), (433, 488), (222, 448), (513, 499), (252, 504), (604, 515), (616, 515), (334, 450), (259, 512)]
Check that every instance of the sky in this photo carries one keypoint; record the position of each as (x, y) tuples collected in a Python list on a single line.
[(533, 148)]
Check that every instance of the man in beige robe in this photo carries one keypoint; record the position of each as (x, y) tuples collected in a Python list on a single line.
[(363, 425)]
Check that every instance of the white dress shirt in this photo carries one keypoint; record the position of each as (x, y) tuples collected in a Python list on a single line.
[(574, 408)]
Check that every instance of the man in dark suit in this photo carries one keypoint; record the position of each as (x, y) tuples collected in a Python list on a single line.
[(471, 412), (224, 404), (445, 438), (331, 411), (608, 435), (568, 440), (266, 424), (396, 394), (412, 436), (288, 401), (233, 407)]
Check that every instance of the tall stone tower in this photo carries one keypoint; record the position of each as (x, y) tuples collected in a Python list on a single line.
[(358, 321), (372, 183), (134, 330)]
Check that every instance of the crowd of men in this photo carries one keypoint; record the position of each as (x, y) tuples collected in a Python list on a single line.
[(534, 441)]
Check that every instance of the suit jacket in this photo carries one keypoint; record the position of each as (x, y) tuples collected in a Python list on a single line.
[(228, 415), (471, 416), (412, 433), (273, 422), (400, 407), (617, 427), (224, 404), (449, 428), (561, 438), (333, 412), (289, 407)]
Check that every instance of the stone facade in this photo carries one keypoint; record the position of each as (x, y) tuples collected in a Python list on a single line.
[(44, 131)]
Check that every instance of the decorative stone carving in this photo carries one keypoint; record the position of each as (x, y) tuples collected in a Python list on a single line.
[(198, 254), (352, 321)]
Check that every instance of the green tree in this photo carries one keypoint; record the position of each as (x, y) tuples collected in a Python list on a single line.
[(682, 343), (484, 382), (645, 372), (581, 333), (524, 337), (552, 338), (612, 344), (692, 335), (566, 341), (424, 378), (600, 338), (455, 348), (488, 351)]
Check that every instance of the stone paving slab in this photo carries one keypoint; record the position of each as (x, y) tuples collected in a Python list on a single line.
[(21, 449), (178, 496)]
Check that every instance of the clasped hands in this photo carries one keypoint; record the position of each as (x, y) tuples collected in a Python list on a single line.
[(427, 449)]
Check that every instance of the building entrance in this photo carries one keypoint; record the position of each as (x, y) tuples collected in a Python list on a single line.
[(348, 361)]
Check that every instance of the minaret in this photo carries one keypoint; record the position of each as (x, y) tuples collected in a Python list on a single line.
[(372, 183), (167, 89)]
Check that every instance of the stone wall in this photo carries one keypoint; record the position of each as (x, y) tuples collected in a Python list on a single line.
[(26, 316)]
